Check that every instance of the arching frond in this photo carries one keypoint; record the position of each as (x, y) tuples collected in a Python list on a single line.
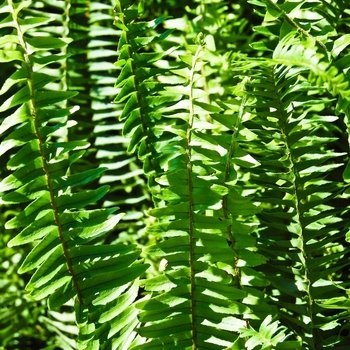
[(302, 222), (55, 219)]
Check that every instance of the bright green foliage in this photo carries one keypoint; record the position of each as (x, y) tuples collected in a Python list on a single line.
[(54, 218), (300, 226), (266, 336), (220, 130)]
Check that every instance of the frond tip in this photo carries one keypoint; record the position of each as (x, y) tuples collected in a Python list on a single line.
[(269, 336)]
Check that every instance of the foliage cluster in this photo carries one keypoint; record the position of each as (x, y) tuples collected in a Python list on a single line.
[(174, 174)]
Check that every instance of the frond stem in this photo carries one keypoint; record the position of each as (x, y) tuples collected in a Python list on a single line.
[(226, 179), (190, 197)]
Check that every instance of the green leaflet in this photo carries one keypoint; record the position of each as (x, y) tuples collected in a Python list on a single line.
[(8, 56), (36, 230), (18, 138), (48, 42), (61, 293), (120, 303), (20, 97), (16, 77), (35, 210), (48, 98), (29, 191), (19, 116), (80, 199), (171, 326), (41, 281), (23, 175), (80, 179), (125, 320)]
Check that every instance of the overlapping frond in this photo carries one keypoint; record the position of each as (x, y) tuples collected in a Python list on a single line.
[(248, 235), (293, 52), (197, 301), (54, 219), (302, 221), (138, 83), (298, 35), (124, 172)]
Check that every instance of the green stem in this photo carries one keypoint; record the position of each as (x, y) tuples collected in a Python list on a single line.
[(226, 179), (190, 197)]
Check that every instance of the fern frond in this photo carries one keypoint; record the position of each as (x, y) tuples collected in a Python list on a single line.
[(124, 175), (302, 225), (136, 79), (54, 218), (193, 230), (291, 51), (247, 236)]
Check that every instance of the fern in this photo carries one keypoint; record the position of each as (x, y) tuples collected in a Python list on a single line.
[(54, 218), (299, 218), (190, 271), (302, 225), (225, 143), (184, 214)]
